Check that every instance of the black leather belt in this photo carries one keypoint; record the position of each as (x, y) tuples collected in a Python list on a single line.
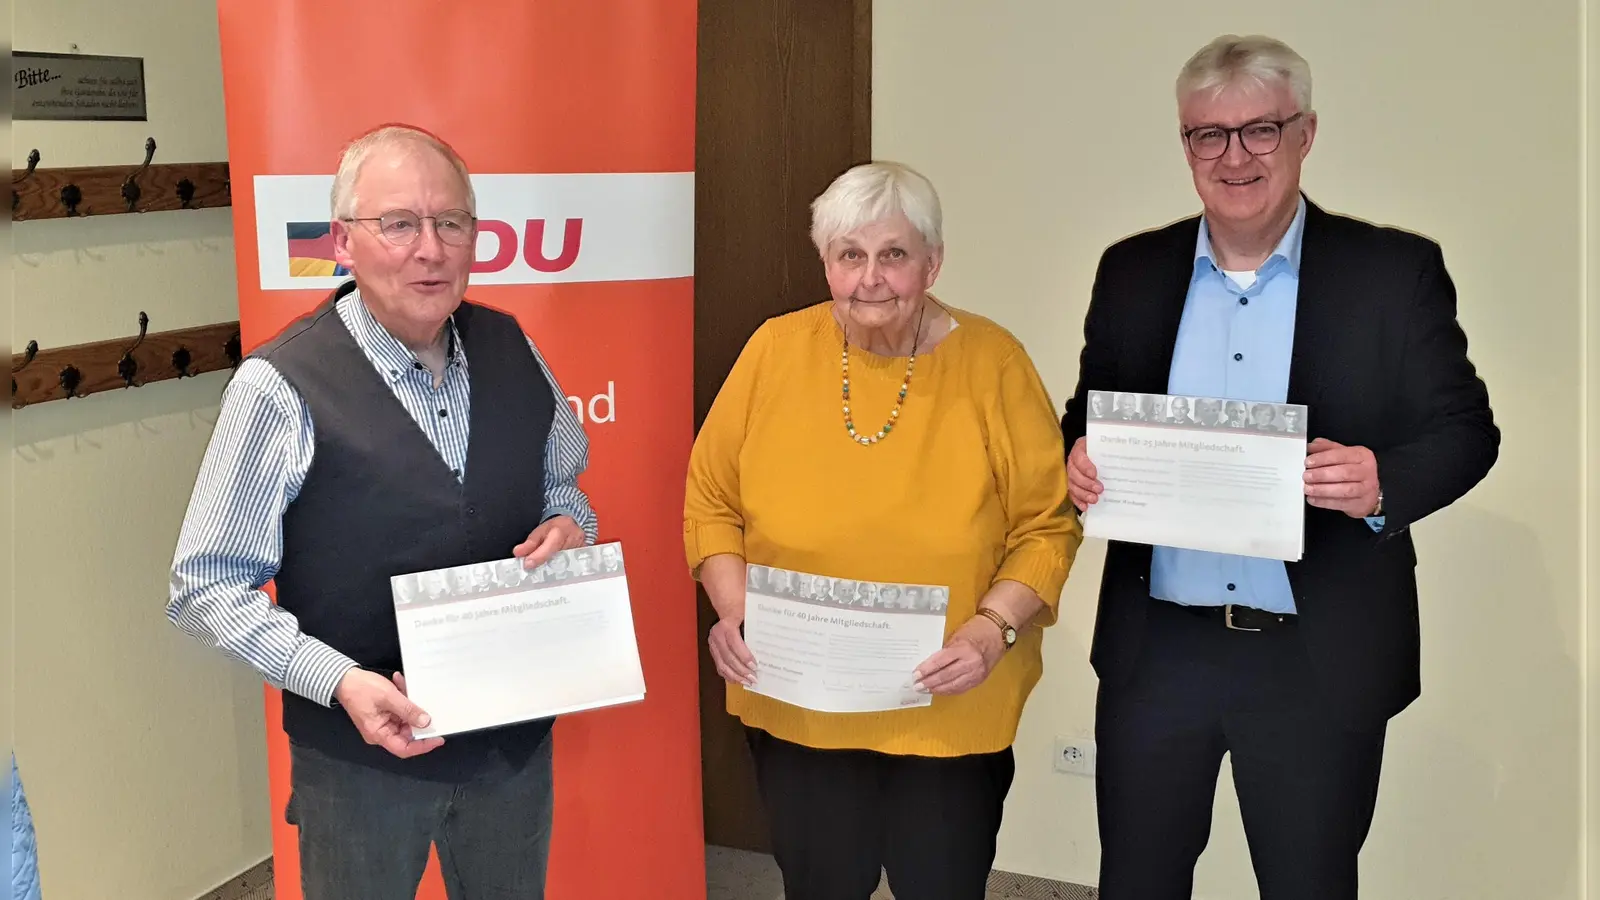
[(1240, 618)]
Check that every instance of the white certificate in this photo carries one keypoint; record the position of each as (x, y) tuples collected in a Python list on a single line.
[(494, 644), (1198, 473), (838, 645)]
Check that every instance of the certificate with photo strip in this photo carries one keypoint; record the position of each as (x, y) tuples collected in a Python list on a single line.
[(495, 643), (1198, 473), (840, 645)]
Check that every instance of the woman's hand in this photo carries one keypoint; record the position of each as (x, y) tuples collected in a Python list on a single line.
[(723, 577), (729, 651), (968, 657)]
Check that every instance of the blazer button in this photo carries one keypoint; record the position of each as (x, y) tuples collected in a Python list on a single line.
[(472, 510)]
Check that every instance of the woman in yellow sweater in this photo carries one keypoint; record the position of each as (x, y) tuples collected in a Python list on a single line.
[(886, 437)]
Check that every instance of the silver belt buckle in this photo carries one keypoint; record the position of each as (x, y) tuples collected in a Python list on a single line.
[(1227, 618)]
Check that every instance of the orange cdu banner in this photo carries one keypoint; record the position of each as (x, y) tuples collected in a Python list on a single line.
[(577, 122)]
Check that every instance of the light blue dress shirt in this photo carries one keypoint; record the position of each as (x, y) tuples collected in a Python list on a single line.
[(1234, 341)]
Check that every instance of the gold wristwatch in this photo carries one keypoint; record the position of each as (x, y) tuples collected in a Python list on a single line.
[(1007, 633)]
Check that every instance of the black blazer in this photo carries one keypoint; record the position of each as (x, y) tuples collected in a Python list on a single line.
[(1381, 362)]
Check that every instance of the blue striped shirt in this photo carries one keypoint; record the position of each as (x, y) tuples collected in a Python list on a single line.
[(231, 543)]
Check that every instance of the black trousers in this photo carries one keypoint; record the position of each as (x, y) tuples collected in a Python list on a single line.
[(365, 834), (1307, 784), (840, 819)]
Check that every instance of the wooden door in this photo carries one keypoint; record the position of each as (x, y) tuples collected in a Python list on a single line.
[(784, 106)]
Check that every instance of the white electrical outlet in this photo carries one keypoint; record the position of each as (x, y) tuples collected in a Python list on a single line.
[(1075, 756)]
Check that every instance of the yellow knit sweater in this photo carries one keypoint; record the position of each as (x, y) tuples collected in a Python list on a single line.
[(969, 488)]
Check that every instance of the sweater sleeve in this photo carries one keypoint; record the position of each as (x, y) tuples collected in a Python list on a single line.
[(713, 518), (1026, 451)]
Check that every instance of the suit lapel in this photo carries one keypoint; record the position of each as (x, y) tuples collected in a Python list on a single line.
[(1317, 305), (1169, 293)]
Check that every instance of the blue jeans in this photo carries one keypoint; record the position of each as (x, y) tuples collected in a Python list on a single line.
[(365, 833)]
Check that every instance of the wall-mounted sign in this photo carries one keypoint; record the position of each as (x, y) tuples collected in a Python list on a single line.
[(76, 87)]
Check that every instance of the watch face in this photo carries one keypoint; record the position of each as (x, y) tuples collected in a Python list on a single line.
[(1011, 636)]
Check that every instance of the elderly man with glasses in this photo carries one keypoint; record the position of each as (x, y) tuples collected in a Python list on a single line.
[(1291, 670), (396, 428)]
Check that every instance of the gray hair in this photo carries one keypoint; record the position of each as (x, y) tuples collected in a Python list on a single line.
[(873, 191), (358, 151), (1231, 59)]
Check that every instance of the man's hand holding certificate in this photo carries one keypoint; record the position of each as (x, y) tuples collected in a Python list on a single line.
[(1200, 473), (497, 643)]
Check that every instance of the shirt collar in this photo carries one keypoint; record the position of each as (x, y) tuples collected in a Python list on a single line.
[(1286, 254), (392, 358)]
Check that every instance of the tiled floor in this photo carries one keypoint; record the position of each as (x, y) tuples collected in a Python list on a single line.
[(730, 875), (739, 875)]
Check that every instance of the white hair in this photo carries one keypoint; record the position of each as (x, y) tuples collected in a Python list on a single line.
[(1231, 59), (871, 192), (388, 137)]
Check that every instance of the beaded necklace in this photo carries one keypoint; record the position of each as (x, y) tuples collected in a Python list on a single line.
[(905, 385)]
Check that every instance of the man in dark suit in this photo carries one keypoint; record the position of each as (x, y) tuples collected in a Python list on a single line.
[(1293, 670)]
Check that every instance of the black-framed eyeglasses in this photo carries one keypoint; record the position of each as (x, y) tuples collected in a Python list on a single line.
[(1209, 142), (401, 226)]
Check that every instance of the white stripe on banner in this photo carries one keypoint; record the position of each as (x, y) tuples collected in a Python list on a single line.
[(533, 229)]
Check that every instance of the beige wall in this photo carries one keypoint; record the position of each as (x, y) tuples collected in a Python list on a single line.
[(143, 753), (7, 643), (1592, 444), (1049, 129)]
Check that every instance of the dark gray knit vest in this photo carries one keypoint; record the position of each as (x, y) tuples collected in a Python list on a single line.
[(379, 500)]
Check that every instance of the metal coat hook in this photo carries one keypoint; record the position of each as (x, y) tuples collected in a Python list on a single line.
[(33, 163), (70, 379), (128, 367), (28, 354), (71, 196), (181, 358), (185, 193), (130, 188), (234, 350)]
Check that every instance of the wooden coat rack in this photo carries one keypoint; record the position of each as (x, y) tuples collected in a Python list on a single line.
[(38, 376), (110, 190)]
